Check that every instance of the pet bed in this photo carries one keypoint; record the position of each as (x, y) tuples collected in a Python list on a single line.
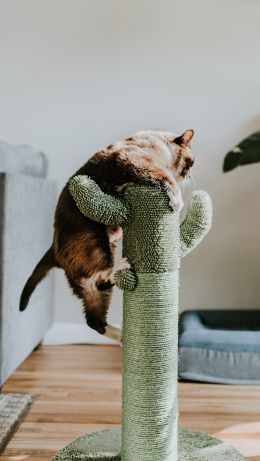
[(220, 346)]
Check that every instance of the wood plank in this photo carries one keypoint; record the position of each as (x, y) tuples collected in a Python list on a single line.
[(78, 391)]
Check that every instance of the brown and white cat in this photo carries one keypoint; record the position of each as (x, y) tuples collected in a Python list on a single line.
[(84, 249)]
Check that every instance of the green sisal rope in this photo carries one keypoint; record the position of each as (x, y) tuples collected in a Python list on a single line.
[(153, 242)]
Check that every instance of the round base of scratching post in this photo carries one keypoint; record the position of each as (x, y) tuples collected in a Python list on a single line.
[(106, 446)]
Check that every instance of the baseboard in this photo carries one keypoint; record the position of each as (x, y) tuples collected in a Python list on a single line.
[(74, 333)]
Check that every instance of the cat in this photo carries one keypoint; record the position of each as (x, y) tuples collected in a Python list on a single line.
[(84, 249)]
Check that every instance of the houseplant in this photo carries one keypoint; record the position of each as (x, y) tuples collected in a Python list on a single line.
[(247, 151)]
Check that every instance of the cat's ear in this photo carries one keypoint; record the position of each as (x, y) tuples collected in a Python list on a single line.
[(185, 138)]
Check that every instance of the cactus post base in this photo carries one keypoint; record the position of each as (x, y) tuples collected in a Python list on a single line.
[(106, 446)]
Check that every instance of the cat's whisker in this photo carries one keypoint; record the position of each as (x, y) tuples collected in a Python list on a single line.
[(185, 183), (193, 181)]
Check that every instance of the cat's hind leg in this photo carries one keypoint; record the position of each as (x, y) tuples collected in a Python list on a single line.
[(96, 294)]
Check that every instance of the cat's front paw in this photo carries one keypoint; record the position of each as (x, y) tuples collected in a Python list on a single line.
[(125, 277), (175, 199), (124, 264)]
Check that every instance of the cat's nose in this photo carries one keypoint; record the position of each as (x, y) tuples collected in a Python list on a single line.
[(189, 162)]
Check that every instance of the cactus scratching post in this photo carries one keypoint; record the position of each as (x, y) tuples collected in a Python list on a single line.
[(154, 242)]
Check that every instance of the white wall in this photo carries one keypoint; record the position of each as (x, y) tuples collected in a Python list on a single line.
[(79, 74)]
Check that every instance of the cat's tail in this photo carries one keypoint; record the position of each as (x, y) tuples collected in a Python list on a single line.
[(46, 263)]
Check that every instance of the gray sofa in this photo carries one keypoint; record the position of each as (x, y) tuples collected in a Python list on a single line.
[(26, 212)]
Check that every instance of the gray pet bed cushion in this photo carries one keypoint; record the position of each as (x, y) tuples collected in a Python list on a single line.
[(221, 346), (22, 159)]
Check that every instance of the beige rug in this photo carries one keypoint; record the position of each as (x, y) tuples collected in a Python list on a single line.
[(13, 407)]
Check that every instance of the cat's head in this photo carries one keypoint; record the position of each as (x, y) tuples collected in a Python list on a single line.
[(170, 150), (182, 156)]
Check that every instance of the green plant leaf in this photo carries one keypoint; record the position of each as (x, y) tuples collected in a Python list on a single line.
[(231, 161), (247, 151)]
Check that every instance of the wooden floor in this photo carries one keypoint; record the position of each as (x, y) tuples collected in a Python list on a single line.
[(78, 391)]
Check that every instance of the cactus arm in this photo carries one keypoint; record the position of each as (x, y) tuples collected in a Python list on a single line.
[(96, 205), (125, 279), (197, 222)]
